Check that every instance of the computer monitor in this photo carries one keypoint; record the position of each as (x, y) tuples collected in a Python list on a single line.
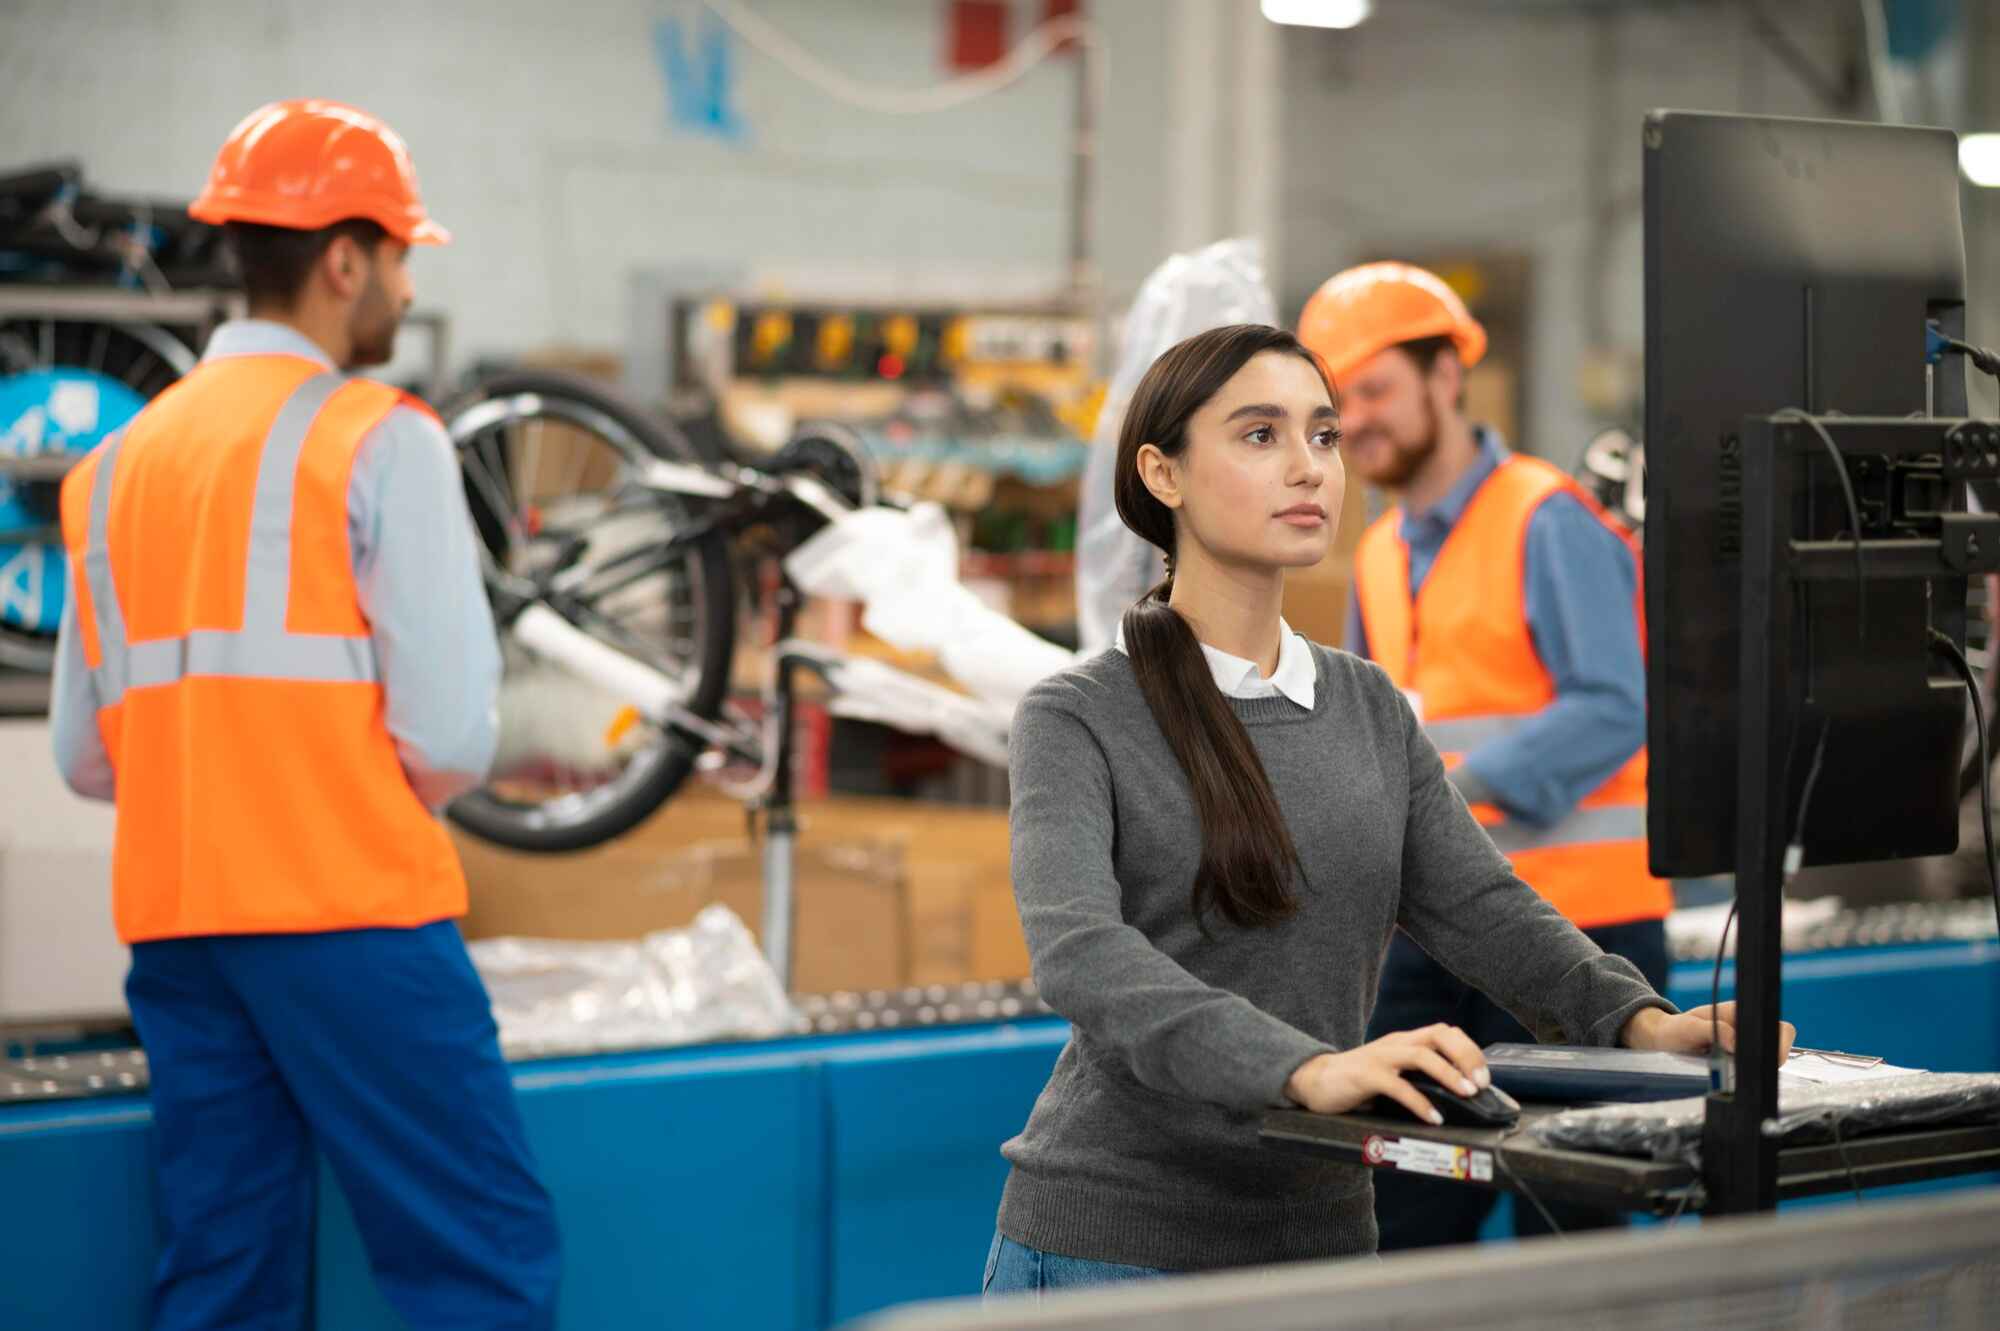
[(1793, 263)]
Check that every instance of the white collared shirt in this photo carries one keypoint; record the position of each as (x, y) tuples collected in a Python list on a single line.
[(1295, 678)]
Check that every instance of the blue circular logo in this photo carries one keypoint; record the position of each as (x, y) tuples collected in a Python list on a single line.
[(44, 412)]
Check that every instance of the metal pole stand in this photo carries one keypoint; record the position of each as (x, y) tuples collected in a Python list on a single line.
[(780, 883), (1739, 1162), (781, 825)]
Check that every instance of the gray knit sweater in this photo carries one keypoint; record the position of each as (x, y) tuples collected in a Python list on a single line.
[(1143, 1147)]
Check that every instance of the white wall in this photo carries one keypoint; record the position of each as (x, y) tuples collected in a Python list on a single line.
[(1982, 211), (541, 134), (59, 954), (1443, 124)]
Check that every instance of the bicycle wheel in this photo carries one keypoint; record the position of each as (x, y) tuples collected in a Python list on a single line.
[(547, 459), (65, 384)]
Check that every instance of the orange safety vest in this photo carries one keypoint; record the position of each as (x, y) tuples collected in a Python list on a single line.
[(1465, 651), (258, 788)]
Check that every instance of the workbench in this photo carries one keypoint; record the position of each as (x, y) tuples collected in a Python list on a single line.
[(789, 1184), (1512, 1160)]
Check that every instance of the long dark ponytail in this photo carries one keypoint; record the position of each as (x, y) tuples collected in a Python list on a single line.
[(1247, 855)]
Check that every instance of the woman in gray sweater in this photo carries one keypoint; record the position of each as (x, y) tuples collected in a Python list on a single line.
[(1216, 826)]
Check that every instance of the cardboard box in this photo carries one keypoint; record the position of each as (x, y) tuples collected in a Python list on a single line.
[(999, 949), (958, 920), (851, 926)]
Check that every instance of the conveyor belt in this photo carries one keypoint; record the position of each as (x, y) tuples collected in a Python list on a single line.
[(926, 1007), (921, 1007), (1881, 926), (72, 1076)]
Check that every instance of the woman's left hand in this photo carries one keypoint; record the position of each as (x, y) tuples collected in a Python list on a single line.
[(1693, 1031)]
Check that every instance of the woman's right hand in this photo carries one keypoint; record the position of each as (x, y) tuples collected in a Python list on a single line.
[(1336, 1083)]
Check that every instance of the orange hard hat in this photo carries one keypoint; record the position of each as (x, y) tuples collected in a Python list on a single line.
[(307, 164), (1364, 311)]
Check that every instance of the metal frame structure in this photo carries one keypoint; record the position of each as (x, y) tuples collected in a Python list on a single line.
[(1739, 1153)]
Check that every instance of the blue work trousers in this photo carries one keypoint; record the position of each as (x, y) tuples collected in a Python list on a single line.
[(377, 1049)]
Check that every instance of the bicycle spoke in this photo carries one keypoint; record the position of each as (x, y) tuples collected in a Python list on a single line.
[(603, 626), (497, 453), (492, 492), (581, 472), (531, 473)]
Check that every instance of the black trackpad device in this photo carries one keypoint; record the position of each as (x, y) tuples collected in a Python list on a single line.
[(1490, 1108)]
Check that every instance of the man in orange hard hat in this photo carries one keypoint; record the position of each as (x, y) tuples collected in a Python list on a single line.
[(1506, 604), (278, 661)]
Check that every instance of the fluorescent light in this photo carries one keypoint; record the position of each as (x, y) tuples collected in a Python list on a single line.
[(1978, 157), (1318, 13)]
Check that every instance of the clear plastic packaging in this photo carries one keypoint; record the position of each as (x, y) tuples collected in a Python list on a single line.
[(1671, 1129), (903, 568), (1188, 294), (707, 981)]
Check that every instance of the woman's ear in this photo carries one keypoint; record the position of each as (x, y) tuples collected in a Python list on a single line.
[(1161, 474)]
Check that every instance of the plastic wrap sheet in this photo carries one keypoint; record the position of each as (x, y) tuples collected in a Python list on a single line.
[(871, 691), (1188, 294), (707, 981), (903, 568), (1671, 1129)]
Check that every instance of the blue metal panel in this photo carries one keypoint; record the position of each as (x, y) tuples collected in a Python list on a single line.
[(1924, 1005), (690, 1189), (915, 1130), (790, 1184), (78, 1234)]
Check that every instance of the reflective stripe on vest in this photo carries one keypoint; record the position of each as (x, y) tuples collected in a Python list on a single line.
[(1585, 826), (262, 648)]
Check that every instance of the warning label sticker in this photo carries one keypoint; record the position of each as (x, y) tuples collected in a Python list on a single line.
[(1437, 1159)]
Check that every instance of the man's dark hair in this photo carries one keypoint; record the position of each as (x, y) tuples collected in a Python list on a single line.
[(1425, 351), (273, 261)]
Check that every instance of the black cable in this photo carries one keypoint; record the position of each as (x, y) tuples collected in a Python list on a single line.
[(1794, 852), (1715, 984), (1520, 1186), (1983, 359), (1797, 846), (1680, 1208), (1853, 1179), (1950, 649), (1853, 509)]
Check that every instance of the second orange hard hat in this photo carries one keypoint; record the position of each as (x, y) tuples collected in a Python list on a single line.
[(307, 163), (1365, 311)]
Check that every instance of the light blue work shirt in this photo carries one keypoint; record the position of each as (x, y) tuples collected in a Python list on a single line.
[(416, 569), (1581, 583)]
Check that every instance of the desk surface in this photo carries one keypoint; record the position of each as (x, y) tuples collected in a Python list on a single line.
[(1510, 1160)]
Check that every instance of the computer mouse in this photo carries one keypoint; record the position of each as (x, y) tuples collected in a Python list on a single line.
[(1490, 1108)]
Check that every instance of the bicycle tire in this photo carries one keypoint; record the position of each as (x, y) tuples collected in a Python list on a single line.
[(511, 823), (144, 357)]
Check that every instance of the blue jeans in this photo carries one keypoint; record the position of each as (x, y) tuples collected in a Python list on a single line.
[(1015, 1268), (376, 1049)]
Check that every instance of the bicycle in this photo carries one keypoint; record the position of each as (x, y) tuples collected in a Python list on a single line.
[(614, 553)]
